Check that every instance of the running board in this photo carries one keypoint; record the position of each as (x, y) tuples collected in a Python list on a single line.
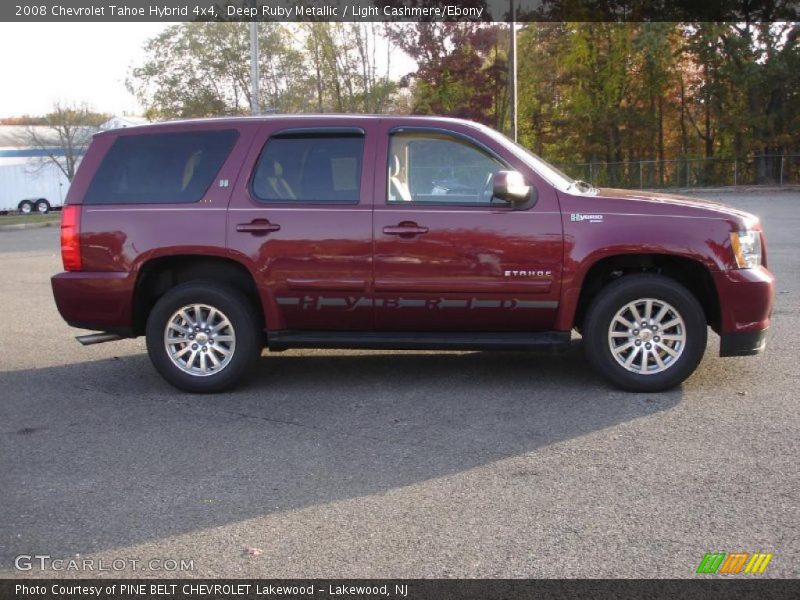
[(393, 340)]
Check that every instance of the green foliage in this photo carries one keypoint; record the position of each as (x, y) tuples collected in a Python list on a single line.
[(343, 70), (462, 69), (588, 92), (608, 92), (203, 69)]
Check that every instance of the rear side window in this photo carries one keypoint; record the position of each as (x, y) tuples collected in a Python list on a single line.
[(310, 168), (160, 168)]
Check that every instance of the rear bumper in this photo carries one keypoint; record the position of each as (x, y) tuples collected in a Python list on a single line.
[(99, 301)]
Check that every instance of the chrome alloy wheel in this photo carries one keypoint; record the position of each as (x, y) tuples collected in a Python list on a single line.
[(200, 340), (647, 336)]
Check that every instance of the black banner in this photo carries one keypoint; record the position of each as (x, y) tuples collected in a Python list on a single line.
[(399, 10), (398, 589)]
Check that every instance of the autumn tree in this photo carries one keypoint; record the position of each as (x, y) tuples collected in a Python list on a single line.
[(589, 92), (739, 85), (63, 134), (618, 93), (462, 69)]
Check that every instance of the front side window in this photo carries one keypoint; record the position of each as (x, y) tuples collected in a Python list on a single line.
[(437, 168), (160, 167), (310, 168)]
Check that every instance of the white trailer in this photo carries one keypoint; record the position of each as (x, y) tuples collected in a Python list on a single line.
[(31, 185)]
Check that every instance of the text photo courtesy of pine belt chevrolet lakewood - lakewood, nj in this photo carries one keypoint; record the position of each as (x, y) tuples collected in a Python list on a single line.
[(406, 299)]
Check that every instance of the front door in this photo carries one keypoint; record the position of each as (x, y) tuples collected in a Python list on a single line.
[(449, 256), (301, 218)]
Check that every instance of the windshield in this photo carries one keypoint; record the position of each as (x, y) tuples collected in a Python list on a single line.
[(554, 176)]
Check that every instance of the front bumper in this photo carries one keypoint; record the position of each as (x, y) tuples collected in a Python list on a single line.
[(99, 301), (745, 298), (743, 344)]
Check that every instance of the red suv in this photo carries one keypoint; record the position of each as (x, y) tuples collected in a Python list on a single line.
[(216, 238)]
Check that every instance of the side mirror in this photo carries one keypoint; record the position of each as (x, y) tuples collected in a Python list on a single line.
[(510, 186)]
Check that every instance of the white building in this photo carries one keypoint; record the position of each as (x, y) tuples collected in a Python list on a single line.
[(29, 179), (118, 122)]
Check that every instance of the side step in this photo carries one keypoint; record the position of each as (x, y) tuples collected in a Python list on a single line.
[(394, 340)]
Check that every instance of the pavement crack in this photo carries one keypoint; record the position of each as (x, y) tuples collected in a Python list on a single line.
[(245, 415)]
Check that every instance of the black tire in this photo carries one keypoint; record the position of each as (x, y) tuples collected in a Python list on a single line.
[(25, 207), (239, 311), (598, 337), (42, 206)]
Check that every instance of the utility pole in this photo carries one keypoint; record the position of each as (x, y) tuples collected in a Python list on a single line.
[(513, 71), (254, 107)]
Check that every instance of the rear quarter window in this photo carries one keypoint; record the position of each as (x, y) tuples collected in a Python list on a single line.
[(160, 168)]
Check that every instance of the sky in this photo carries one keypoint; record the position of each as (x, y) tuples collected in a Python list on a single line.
[(71, 62), (43, 63)]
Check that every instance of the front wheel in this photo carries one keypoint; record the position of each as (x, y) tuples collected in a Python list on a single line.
[(25, 207), (203, 337), (645, 333)]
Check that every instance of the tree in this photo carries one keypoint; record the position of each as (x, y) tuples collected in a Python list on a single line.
[(63, 135), (598, 62), (344, 67), (462, 69), (590, 92), (538, 85), (763, 62), (745, 89), (203, 69)]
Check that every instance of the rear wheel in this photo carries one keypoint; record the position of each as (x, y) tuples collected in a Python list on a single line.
[(203, 337), (25, 207), (42, 206), (645, 333)]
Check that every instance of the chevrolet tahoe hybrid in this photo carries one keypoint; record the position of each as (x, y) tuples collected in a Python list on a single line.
[(217, 238)]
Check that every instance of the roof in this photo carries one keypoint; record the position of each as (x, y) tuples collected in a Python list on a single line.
[(15, 142), (303, 117), (16, 136)]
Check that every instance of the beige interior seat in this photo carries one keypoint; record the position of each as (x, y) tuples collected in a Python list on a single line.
[(189, 169), (278, 185), (398, 189)]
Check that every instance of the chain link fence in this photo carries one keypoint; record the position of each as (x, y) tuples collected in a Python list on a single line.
[(765, 169)]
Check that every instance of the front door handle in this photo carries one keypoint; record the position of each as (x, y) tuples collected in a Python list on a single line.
[(258, 227), (405, 229)]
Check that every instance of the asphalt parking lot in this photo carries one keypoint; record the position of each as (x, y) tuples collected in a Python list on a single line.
[(378, 464)]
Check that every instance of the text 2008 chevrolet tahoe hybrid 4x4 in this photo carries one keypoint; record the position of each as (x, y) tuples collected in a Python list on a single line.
[(215, 238)]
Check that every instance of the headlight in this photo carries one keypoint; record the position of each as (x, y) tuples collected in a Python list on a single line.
[(746, 248)]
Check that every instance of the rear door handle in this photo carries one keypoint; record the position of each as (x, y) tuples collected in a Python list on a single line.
[(405, 229), (258, 227)]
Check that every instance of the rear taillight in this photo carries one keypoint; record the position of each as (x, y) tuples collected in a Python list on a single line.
[(70, 237)]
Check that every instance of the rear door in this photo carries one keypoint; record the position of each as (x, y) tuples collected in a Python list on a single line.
[(300, 216), (449, 256)]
